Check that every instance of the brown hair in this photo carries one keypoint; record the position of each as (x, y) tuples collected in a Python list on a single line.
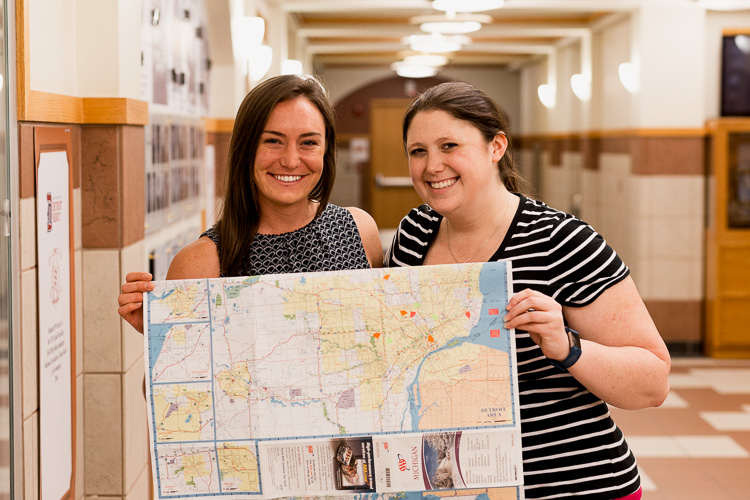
[(468, 103), (240, 212)]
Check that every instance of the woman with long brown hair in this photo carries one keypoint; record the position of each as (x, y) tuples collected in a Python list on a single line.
[(275, 216)]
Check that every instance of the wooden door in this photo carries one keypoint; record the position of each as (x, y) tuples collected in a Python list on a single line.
[(389, 189)]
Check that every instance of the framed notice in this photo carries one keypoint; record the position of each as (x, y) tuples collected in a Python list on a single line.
[(56, 297)]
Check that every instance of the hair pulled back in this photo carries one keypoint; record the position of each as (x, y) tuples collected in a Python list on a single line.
[(468, 103)]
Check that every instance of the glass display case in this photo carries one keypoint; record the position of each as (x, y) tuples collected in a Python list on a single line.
[(728, 238), (738, 164)]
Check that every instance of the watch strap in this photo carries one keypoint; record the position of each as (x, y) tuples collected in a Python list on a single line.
[(574, 341)]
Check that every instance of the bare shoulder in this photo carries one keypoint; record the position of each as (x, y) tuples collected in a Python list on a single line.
[(368, 231), (199, 259)]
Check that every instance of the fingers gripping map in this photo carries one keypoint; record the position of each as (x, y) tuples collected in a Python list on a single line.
[(371, 382)]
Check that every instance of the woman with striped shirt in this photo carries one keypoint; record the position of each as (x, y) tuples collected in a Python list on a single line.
[(584, 338)]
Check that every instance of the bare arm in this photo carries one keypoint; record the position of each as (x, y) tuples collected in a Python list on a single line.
[(624, 360), (370, 235), (197, 260)]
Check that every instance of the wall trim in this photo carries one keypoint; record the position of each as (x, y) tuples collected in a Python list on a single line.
[(615, 133), (46, 107), (218, 125)]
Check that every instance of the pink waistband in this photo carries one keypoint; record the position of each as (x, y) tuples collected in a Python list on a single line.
[(633, 496)]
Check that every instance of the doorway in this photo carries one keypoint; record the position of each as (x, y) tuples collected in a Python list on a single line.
[(389, 187)]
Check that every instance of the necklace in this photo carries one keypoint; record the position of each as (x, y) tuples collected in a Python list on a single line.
[(448, 235)]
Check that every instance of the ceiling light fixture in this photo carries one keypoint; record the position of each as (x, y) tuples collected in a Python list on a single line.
[(581, 85), (455, 24), (743, 43), (426, 60), (291, 67), (259, 62), (546, 95), (247, 34), (725, 5), (436, 42), (629, 77), (407, 70), (467, 5)]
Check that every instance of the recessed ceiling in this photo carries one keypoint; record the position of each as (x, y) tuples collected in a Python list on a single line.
[(360, 33)]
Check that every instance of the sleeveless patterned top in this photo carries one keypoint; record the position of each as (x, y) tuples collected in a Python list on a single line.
[(331, 242), (571, 445)]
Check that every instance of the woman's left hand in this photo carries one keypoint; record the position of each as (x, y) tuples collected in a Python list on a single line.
[(542, 317)]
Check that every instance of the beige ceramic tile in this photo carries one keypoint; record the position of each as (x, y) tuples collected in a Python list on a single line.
[(676, 195), (675, 237), (29, 344), (79, 310), (140, 489), (80, 465), (591, 202), (655, 446), (641, 273), (77, 218), (711, 447), (641, 229), (696, 193), (725, 380), (132, 258), (27, 228), (615, 164), (638, 196), (101, 323), (727, 420), (673, 279), (135, 428), (103, 460), (31, 457)]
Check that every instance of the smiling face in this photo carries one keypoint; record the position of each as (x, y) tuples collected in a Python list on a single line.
[(451, 164), (289, 159)]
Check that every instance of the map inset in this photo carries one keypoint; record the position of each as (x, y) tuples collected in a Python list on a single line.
[(235, 360)]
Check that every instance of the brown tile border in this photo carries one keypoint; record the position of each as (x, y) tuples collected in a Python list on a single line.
[(100, 195), (668, 156), (653, 153), (133, 191), (678, 320), (220, 141), (26, 175)]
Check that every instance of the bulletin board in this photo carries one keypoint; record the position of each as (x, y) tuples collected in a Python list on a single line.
[(56, 311)]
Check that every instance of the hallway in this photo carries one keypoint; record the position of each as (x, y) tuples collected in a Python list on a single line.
[(696, 445)]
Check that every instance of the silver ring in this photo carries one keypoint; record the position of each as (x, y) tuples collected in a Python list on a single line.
[(530, 310)]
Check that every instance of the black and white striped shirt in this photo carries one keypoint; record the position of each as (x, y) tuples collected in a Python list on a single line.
[(571, 445)]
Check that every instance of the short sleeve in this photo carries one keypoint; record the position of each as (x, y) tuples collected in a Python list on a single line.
[(581, 264), (413, 237)]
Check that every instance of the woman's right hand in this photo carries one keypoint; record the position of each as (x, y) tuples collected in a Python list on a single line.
[(131, 298)]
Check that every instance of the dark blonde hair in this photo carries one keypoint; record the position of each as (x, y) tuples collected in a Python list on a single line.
[(240, 212), (468, 103)]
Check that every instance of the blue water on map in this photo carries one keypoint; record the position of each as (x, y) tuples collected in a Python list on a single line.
[(495, 293), (157, 334)]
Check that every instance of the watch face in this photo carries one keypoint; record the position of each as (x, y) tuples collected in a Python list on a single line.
[(574, 340)]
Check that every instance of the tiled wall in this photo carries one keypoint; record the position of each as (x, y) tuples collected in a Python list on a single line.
[(645, 195), (108, 198), (28, 321)]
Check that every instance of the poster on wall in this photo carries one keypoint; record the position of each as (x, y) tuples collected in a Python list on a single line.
[(54, 271)]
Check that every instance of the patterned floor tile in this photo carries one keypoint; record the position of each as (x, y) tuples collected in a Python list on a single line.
[(727, 421)]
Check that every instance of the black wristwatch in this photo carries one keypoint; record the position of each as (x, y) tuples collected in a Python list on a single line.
[(574, 342)]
